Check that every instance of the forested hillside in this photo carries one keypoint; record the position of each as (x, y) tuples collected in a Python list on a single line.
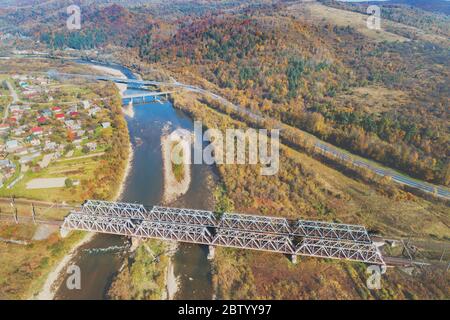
[(309, 76)]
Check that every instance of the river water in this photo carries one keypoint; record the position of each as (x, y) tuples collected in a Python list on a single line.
[(101, 259)]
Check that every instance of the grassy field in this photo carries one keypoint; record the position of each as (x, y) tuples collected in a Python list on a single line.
[(390, 30), (80, 169), (25, 267)]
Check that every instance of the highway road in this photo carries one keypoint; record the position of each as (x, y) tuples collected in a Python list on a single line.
[(439, 191)]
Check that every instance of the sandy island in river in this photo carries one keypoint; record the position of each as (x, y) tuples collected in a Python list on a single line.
[(173, 187)]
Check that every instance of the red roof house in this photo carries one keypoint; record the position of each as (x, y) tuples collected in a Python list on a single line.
[(37, 130), (59, 116), (74, 114), (42, 120), (56, 109)]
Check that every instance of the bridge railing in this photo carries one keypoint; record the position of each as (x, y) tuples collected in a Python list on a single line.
[(185, 216), (115, 209), (255, 223), (340, 250), (336, 231), (254, 240)]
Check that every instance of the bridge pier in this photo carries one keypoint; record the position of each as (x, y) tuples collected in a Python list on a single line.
[(63, 232), (211, 253), (135, 242)]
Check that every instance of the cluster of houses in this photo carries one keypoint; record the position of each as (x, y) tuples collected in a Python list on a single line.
[(7, 170), (29, 134), (30, 86)]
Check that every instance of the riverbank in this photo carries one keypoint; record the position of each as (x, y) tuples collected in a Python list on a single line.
[(128, 167), (48, 290), (172, 283), (112, 72)]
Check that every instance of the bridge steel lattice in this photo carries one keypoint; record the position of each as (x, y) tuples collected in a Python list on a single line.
[(294, 237)]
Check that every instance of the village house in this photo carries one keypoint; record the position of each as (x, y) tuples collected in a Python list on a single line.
[(29, 158), (42, 120), (106, 125), (74, 114), (50, 146), (35, 142), (56, 109), (15, 109), (46, 113), (18, 132), (4, 129), (12, 145), (92, 146), (86, 104), (12, 121), (37, 131), (80, 133), (21, 151), (73, 125), (93, 112), (6, 163), (73, 109)]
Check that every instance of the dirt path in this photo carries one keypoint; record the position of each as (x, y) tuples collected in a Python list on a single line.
[(99, 154)]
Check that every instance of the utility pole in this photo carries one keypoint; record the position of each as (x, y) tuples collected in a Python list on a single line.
[(33, 213), (13, 205), (405, 248), (442, 256)]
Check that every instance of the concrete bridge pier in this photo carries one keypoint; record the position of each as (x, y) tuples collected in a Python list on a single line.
[(63, 232), (135, 242), (211, 253)]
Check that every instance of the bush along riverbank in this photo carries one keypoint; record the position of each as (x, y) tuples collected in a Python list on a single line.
[(144, 275)]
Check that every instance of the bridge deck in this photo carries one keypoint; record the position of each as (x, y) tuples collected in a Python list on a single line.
[(296, 237)]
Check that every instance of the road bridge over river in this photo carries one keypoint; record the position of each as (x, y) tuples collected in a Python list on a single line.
[(275, 234)]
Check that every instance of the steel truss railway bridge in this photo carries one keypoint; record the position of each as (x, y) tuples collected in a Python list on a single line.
[(291, 237)]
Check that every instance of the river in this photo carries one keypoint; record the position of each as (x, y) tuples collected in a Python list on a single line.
[(101, 259)]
